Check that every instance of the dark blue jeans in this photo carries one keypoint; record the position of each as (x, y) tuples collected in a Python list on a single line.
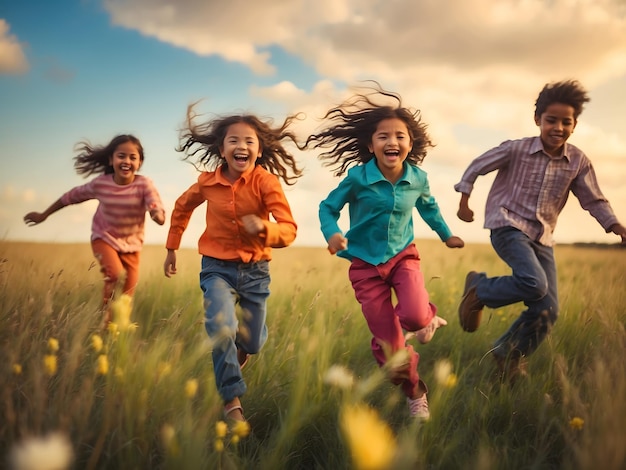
[(533, 281), (226, 284)]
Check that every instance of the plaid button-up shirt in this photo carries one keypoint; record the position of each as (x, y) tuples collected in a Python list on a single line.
[(531, 187)]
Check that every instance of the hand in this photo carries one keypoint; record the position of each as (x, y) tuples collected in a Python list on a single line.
[(619, 229), (169, 267), (158, 216), (337, 242), (34, 218), (455, 242), (253, 224), (465, 214)]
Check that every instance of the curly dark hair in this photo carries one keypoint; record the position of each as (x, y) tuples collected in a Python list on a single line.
[(353, 123), (569, 92), (96, 159), (203, 141)]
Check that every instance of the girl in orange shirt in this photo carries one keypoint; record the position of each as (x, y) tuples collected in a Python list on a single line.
[(245, 158)]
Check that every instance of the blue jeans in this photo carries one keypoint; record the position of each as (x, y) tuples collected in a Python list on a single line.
[(226, 284), (533, 281)]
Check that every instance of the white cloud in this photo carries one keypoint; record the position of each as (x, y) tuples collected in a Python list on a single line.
[(12, 58)]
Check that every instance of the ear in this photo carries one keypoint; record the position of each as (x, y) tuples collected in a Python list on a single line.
[(538, 120), (370, 147)]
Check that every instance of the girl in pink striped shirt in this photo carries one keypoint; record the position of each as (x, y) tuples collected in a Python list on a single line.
[(117, 230)]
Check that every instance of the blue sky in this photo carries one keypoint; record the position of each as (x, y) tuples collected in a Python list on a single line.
[(90, 69)]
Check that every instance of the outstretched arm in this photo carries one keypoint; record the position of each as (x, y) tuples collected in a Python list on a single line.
[(34, 218), (465, 213)]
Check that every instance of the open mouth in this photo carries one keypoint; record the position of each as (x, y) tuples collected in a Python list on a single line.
[(241, 158)]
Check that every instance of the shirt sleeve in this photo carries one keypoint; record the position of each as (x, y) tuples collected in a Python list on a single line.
[(152, 198), (181, 214), (281, 233), (586, 188), (330, 208), (80, 194), (489, 161), (429, 211)]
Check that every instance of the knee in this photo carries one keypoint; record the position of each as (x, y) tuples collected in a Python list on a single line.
[(218, 323), (536, 288)]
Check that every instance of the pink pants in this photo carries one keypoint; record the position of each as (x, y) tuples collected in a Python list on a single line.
[(113, 264), (373, 289)]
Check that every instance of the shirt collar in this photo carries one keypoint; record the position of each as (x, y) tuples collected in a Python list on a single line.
[(373, 174), (537, 146), (221, 179)]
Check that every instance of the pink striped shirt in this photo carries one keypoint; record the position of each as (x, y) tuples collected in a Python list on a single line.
[(119, 219), (531, 188)]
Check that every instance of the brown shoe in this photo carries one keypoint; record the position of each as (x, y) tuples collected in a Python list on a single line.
[(471, 308), (512, 368)]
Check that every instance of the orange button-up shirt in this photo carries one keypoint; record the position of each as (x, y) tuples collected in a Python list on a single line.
[(258, 192)]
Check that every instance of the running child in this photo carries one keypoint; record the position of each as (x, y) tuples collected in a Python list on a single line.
[(117, 229), (246, 160), (380, 147)]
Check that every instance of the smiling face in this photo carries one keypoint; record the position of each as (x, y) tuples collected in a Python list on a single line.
[(390, 145), (241, 149), (556, 124), (126, 161)]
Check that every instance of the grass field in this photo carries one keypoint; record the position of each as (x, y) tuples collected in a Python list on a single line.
[(145, 398)]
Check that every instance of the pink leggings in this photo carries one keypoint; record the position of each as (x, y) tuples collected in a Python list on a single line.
[(373, 289), (112, 265)]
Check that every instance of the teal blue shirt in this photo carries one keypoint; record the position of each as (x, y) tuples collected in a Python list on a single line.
[(381, 213)]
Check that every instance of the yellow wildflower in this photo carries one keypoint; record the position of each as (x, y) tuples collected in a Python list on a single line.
[(50, 364), (163, 369), (168, 439), (370, 440), (221, 428), (576, 423), (241, 428), (452, 381), (102, 364), (191, 388), (17, 369), (235, 439), (219, 445), (121, 309), (96, 343), (53, 345)]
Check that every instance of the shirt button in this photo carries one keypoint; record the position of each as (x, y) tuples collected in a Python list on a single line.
[(233, 221)]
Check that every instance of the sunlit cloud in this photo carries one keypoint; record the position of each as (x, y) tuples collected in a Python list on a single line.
[(12, 58)]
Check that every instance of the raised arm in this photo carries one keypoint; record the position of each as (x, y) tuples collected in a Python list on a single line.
[(34, 218)]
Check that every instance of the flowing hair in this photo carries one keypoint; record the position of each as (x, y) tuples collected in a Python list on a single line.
[(352, 124), (93, 160), (201, 143)]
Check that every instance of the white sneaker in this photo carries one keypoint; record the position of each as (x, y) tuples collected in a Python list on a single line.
[(418, 408), (426, 334)]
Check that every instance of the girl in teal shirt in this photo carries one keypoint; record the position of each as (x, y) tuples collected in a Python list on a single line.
[(380, 147)]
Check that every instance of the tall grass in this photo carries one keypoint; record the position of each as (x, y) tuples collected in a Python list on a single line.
[(140, 413)]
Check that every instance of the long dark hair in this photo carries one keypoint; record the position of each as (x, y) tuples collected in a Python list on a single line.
[(201, 142), (352, 124), (92, 160)]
